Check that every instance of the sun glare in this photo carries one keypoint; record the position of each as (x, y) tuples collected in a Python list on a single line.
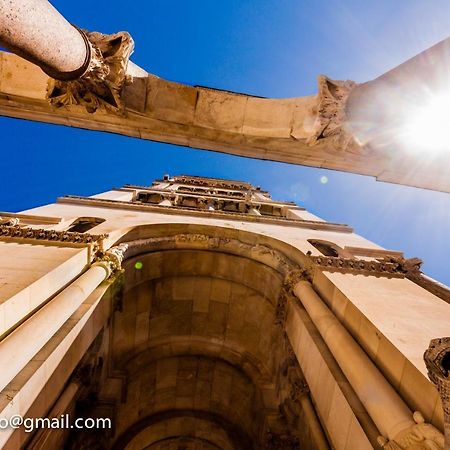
[(428, 126)]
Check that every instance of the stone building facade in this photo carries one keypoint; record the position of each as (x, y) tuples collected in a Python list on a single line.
[(199, 313)]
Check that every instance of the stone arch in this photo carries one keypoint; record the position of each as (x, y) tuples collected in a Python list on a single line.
[(203, 297)]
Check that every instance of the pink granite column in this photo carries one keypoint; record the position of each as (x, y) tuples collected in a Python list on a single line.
[(35, 30)]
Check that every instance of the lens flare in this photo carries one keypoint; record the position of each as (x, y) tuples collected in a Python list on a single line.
[(138, 265), (428, 126)]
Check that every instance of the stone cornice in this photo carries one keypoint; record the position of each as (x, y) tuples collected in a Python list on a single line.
[(133, 187), (389, 266), (392, 265), (438, 289), (117, 204), (29, 218), (17, 232), (213, 182)]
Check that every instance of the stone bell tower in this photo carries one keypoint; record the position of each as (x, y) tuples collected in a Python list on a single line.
[(199, 313)]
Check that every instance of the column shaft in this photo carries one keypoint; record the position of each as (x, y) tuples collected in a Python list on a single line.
[(35, 30), (386, 408), (24, 342), (317, 434)]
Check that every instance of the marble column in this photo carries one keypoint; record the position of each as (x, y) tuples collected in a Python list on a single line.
[(387, 409), (46, 438), (17, 348)]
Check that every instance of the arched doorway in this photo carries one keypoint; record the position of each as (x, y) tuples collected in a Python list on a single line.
[(196, 353)]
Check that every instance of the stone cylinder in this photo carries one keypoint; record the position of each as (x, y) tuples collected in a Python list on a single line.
[(36, 31), (386, 408), (19, 347), (316, 432)]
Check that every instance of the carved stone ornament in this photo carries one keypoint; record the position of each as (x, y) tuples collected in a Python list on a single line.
[(437, 360), (421, 436), (112, 259), (102, 83), (330, 121), (187, 240), (17, 232), (388, 266), (294, 276), (9, 221)]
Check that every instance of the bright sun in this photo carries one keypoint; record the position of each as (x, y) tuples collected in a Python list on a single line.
[(428, 126)]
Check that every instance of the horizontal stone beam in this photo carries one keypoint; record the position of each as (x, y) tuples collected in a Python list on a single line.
[(310, 131)]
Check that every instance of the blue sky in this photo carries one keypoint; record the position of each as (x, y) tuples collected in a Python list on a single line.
[(271, 48)]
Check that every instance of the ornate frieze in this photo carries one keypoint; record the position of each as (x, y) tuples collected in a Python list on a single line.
[(9, 221), (228, 215), (102, 83), (72, 237), (331, 116), (433, 286), (387, 266), (258, 251), (437, 360), (213, 182)]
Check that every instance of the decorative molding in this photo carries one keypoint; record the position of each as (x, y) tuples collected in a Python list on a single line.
[(372, 252), (386, 263), (437, 360), (421, 436), (112, 260), (39, 234), (30, 219), (102, 83), (258, 252), (393, 266), (294, 276), (180, 210), (438, 289), (212, 183), (9, 221), (331, 116)]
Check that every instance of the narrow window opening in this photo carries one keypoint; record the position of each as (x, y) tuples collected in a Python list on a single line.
[(326, 248), (83, 224)]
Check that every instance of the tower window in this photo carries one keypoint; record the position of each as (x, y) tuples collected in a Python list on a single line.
[(83, 224), (326, 248)]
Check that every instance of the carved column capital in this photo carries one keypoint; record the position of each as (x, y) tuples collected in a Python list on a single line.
[(421, 436), (111, 260), (104, 78), (294, 276), (331, 116), (437, 360)]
